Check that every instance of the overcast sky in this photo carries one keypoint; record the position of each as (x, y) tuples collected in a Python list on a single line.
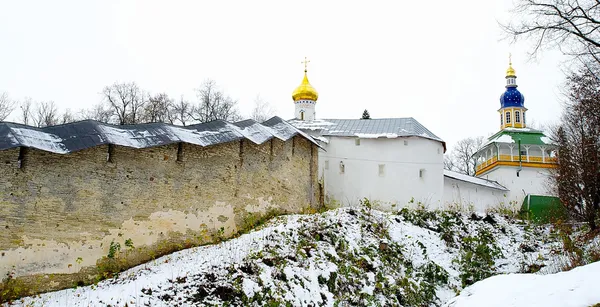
[(441, 62)]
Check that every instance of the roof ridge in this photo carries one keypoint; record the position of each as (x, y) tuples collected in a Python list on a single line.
[(90, 133)]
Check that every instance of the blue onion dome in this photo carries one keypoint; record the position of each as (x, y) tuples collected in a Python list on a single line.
[(512, 98)]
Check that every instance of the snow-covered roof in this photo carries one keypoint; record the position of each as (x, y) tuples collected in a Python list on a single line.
[(80, 135), (368, 128), (527, 136), (474, 180)]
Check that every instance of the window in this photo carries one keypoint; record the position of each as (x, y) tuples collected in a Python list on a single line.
[(326, 164), (301, 115), (357, 142), (381, 170), (517, 117), (523, 117), (405, 142), (501, 119), (342, 167), (422, 173), (508, 117)]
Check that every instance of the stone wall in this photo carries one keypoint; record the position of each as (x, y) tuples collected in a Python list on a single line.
[(60, 213)]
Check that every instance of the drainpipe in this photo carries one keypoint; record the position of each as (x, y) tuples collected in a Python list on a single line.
[(520, 161)]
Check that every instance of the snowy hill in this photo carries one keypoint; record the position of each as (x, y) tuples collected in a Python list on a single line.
[(350, 256)]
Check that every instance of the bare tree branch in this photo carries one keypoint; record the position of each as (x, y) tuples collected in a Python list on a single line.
[(461, 158), (181, 112), (577, 177), (45, 114), (158, 109), (214, 104), (126, 101), (571, 26), (26, 110), (262, 111), (6, 106)]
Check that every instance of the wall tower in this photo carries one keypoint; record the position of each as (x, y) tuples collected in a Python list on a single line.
[(305, 98)]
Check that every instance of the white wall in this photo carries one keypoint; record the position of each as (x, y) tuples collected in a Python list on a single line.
[(531, 180), (467, 195), (400, 181), (307, 107)]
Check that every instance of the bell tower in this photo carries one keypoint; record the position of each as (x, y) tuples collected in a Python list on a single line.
[(305, 97)]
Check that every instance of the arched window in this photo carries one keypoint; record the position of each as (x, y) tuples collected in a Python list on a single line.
[(301, 115), (508, 117), (501, 119), (517, 117), (523, 117)]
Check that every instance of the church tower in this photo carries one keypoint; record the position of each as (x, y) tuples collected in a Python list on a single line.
[(512, 109), (518, 157), (305, 98)]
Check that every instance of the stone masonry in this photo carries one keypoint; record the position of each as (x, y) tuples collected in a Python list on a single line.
[(60, 213)]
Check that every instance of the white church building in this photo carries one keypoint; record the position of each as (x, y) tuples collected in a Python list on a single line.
[(399, 162)]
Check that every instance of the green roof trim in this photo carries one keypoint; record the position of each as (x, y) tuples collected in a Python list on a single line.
[(513, 135), (543, 209)]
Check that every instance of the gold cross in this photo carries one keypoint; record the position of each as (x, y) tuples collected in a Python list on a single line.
[(305, 62), (509, 58)]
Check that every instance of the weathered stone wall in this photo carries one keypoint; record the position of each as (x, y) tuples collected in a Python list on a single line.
[(60, 213)]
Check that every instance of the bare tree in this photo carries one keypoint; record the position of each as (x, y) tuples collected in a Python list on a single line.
[(577, 177), (449, 163), (262, 110), (181, 112), (67, 117), (126, 101), (461, 157), (158, 108), (26, 110), (214, 104), (45, 114), (572, 26), (6, 106), (99, 112)]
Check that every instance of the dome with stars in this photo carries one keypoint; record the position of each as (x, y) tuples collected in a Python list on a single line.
[(512, 98)]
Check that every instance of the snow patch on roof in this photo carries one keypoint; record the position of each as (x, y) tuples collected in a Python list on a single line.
[(546, 140), (521, 129), (77, 136), (37, 139), (322, 139), (376, 135), (474, 180), (505, 138), (317, 124)]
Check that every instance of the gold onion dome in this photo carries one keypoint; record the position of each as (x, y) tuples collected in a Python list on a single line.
[(510, 72), (305, 91)]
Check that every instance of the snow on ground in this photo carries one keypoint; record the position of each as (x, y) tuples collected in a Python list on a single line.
[(578, 287), (349, 256)]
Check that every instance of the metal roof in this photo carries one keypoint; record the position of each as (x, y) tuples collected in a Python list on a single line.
[(369, 128), (474, 180), (80, 135), (527, 136)]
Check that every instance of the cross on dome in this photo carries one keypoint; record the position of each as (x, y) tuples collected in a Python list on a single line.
[(305, 62)]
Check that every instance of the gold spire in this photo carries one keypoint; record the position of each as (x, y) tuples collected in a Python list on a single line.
[(305, 91), (510, 72)]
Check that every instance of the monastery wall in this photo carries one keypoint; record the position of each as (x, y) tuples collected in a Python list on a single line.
[(60, 214), (530, 181), (468, 196), (394, 172)]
